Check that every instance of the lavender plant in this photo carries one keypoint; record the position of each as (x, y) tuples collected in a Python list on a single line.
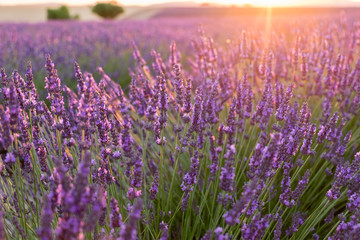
[(255, 139)]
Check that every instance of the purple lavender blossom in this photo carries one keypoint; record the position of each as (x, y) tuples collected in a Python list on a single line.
[(298, 219), (230, 128), (14, 110), (164, 231), (45, 231), (190, 180), (163, 103), (6, 137), (115, 216), (187, 102), (214, 159), (277, 231), (178, 86), (306, 146), (232, 216), (128, 231), (218, 235), (264, 109), (32, 94), (227, 172), (196, 117), (79, 78), (53, 86), (256, 228), (154, 187), (284, 104), (347, 230), (301, 186), (285, 187)]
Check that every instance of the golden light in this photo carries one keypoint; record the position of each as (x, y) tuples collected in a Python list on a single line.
[(255, 3), (274, 3)]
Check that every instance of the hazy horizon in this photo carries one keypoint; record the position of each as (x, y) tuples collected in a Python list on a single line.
[(256, 3)]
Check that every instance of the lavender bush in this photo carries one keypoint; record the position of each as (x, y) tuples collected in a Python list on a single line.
[(254, 138)]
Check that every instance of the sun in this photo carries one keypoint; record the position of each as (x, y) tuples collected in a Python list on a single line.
[(274, 3)]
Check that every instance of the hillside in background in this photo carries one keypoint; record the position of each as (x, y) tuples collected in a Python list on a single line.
[(250, 11), (37, 13)]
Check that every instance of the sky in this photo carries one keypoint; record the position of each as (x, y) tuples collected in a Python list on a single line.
[(229, 2)]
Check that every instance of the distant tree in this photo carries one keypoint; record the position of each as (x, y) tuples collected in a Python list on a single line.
[(60, 13), (108, 10)]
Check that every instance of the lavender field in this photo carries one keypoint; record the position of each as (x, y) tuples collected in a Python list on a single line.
[(231, 128)]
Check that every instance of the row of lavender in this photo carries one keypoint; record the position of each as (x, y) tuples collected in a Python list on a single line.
[(257, 139), (93, 44), (106, 44)]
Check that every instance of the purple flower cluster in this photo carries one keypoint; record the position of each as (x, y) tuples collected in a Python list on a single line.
[(189, 180)]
